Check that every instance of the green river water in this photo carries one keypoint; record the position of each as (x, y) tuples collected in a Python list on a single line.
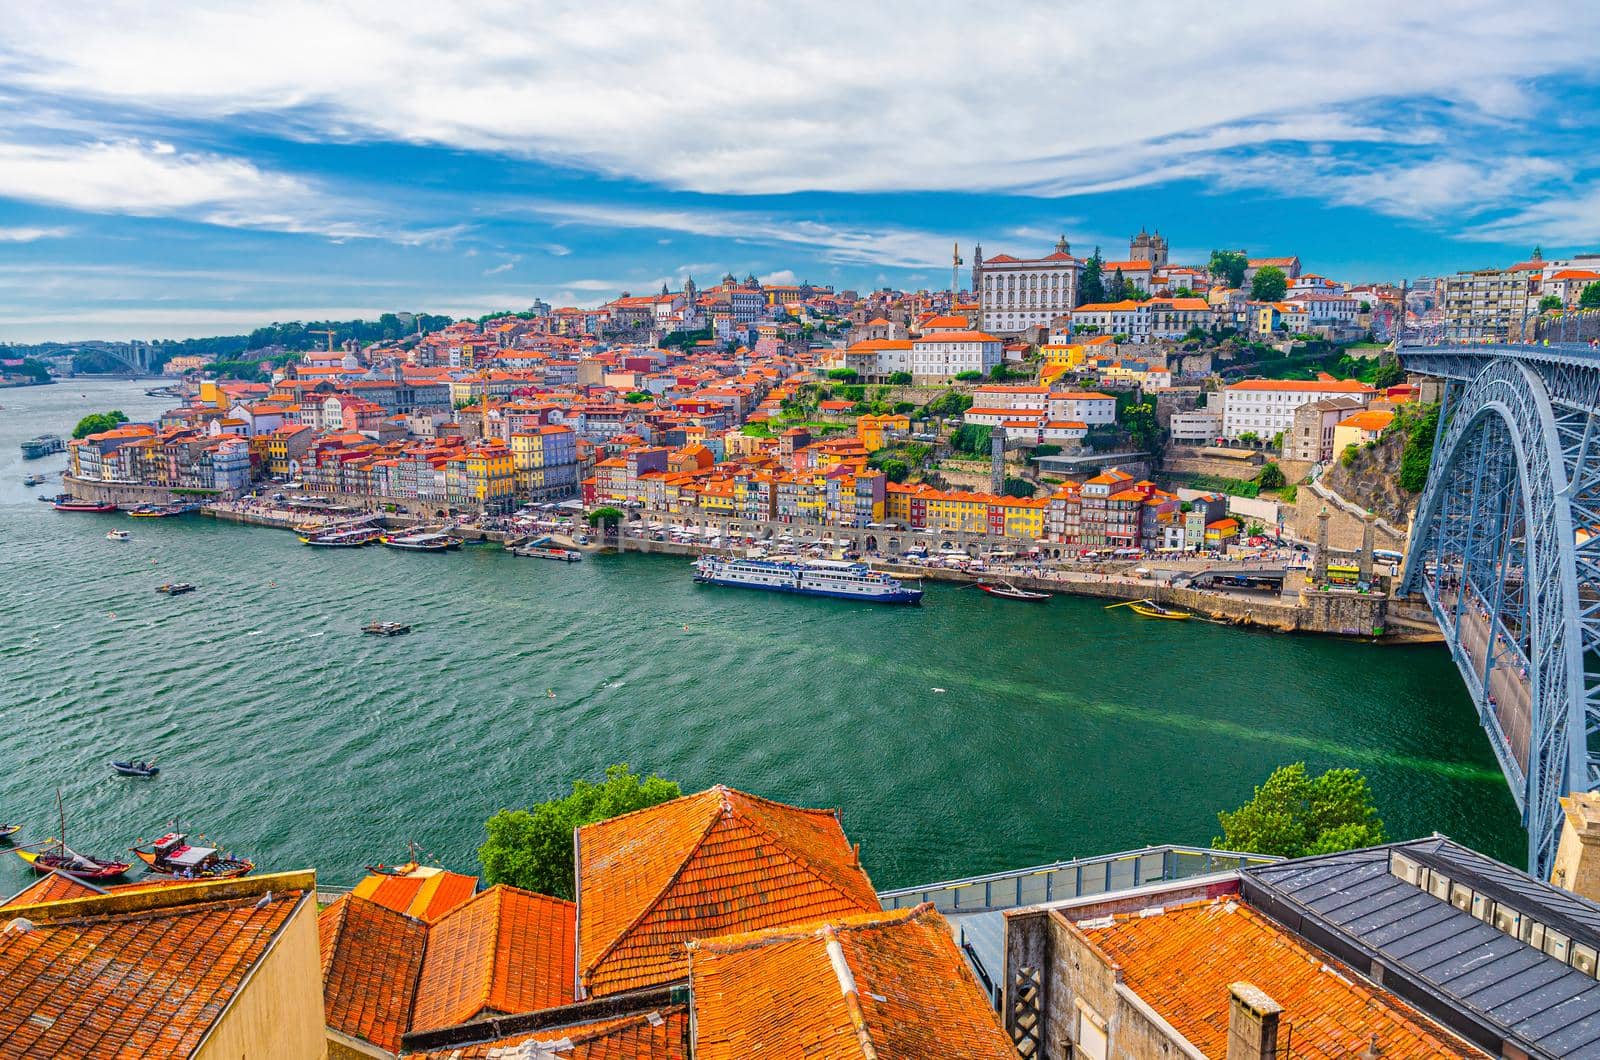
[(966, 736)]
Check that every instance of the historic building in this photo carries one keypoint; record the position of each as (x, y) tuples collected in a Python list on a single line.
[(1015, 294), (1150, 247)]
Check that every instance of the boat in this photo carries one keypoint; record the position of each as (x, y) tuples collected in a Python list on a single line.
[(386, 629), (9, 830), (118, 535), (157, 511), (171, 855), (65, 503), (420, 542), (1150, 609), (563, 555), (175, 588), (1007, 591), (356, 538), (33, 480), (848, 581), (69, 862), (137, 768), (44, 445)]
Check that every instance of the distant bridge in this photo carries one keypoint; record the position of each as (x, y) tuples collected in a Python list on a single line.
[(137, 357), (1505, 547)]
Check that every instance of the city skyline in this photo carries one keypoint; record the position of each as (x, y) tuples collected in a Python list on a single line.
[(169, 184)]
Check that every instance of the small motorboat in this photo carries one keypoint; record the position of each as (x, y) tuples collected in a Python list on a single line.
[(1007, 591), (69, 862), (386, 629), (171, 855), (174, 588), (118, 535), (1151, 609), (9, 830), (137, 768), (33, 480)]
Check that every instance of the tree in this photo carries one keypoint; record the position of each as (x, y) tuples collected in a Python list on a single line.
[(1417, 456), (968, 377), (96, 422), (1293, 815), (1140, 422), (1117, 289), (1268, 284), (1092, 281), (971, 438), (633, 397), (608, 516), (899, 378), (1549, 302), (1249, 437), (532, 849), (894, 469), (1348, 456), (844, 375), (1228, 267), (1590, 298), (1017, 487), (1388, 374), (1271, 477)]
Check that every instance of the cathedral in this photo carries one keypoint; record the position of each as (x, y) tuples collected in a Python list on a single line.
[(1149, 246)]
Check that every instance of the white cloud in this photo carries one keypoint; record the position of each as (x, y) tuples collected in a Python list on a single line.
[(870, 97), (505, 266), (782, 276), (29, 235), (555, 250), (1566, 220), (900, 247)]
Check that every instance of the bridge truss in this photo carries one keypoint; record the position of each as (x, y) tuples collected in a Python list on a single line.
[(1505, 547)]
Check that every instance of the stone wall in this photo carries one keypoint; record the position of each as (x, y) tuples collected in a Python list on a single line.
[(1350, 614), (123, 494), (1224, 463), (1344, 527)]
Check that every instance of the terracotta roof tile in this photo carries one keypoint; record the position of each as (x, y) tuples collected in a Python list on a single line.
[(370, 959), (661, 1035), (891, 981), (426, 893), (507, 950), (1182, 962), (704, 865), (113, 984)]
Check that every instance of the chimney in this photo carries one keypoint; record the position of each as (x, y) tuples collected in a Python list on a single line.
[(1252, 1023), (1577, 865)]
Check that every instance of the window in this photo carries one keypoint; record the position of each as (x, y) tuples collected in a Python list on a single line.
[(1089, 1037)]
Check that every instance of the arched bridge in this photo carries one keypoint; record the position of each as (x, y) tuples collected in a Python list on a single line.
[(1506, 548)]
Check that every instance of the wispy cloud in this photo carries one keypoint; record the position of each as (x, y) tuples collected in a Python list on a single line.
[(30, 235)]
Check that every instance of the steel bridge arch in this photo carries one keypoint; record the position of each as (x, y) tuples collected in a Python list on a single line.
[(1510, 397)]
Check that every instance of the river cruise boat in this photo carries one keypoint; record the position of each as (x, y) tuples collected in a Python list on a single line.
[(420, 542), (173, 856), (361, 535), (44, 445), (846, 581), (65, 503)]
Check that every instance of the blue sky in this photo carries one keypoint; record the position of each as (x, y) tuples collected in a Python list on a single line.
[(173, 170)]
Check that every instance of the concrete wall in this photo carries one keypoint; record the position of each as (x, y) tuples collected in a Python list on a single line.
[(277, 1012)]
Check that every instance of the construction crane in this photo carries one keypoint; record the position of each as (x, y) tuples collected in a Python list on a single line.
[(323, 331)]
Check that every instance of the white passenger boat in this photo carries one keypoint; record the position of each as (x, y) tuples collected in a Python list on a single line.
[(846, 581)]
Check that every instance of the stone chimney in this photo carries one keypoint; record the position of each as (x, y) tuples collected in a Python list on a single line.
[(1252, 1023), (1319, 569), (1577, 866)]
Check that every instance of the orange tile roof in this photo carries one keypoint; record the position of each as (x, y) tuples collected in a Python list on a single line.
[(1333, 386), (425, 893), (370, 959), (890, 985), (146, 984), (1182, 962), (705, 864), (57, 888), (507, 950), (658, 1035)]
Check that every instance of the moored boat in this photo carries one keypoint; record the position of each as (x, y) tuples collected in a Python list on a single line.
[(1007, 591), (44, 445), (356, 538), (847, 581), (69, 862), (65, 503), (8, 830), (562, 555), (171, 855), (420, 542), (1151, 609)]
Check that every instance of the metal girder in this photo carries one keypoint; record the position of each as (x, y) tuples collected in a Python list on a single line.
[(1505, 547)]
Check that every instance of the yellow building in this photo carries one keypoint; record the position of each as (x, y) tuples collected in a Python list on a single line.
[(483, 477), (211, 393), (1067, 355), (873, 431), (1361, 428), (1024, 517)]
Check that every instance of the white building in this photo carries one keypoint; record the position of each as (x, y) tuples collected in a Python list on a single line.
[(1127, 317), (1264, 407), (941, 355), (1015, 293), (1083, 406), (1196, 427)]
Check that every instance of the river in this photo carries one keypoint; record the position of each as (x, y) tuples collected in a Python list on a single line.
[(965, 736)]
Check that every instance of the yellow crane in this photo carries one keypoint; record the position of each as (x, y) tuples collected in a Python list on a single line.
[(323, 331)]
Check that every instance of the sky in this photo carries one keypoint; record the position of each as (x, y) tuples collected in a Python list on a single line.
[(171, 169)]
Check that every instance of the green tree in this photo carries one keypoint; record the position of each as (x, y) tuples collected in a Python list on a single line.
[(1117, 289), (1389, 373), (1590, 298), (1140, 422), (1417, 456), (1092, 281), (608, 515), (532, 849), (844, 375), (1268, 284), (900, 379), (1271, 477), (1017, 487), (1228, 267), (1293, 815), (971, 438), (968, 377), (894, 469), (633, 397), (1549, 302), (96, 422)]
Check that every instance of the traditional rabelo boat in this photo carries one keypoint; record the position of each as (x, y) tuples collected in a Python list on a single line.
[(171, 855), (69, 862), (1007, 591), (1150, 609)]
